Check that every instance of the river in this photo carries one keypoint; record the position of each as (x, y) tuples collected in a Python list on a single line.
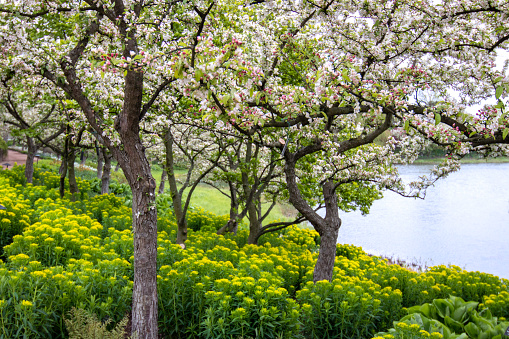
[(463, 221)]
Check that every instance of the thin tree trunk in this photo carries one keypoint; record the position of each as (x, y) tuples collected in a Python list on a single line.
[(163, 179), (63, 167), (83, 157), (105, 179), (176, 197), (100, 158), (232, 224), (254, 225), (73, 185), (29, 165), (63, 175)]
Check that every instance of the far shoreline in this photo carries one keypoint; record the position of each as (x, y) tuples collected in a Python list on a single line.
[(467, 160)]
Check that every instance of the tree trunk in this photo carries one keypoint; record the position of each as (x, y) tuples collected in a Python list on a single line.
[(324, 267), (136, 167), (29, 165), (105, 178), (99, 160), (73, 185), (63, 167), (63, 175), (232, 224), (163, 179), (83, 157), (176, 197), (327, 227), (254, 225)]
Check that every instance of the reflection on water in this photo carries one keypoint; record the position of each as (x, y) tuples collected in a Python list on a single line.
[(464, 221)]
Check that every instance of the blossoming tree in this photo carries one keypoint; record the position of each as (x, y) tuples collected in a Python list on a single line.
[(321, 81)]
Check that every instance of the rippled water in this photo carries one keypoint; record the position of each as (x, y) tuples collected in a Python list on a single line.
[(464, 221)]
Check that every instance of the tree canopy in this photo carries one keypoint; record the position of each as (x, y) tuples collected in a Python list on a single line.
[(317, 82)]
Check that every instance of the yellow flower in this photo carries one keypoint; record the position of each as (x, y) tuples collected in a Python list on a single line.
[(26, 303)]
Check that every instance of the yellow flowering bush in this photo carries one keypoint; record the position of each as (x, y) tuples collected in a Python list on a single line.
[(61, 254)]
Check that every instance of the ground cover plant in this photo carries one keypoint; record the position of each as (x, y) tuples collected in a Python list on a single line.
[(60, 254)]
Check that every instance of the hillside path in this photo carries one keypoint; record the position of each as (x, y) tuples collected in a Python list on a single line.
[(14, 157)]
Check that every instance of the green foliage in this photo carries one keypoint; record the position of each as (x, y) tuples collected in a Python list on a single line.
[(62, 254), (452, 318), (3, 149), (85, 325)]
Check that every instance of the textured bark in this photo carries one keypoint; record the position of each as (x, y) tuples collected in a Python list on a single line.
[(136, 168), (29, 165), (176, 196), (105, 178)]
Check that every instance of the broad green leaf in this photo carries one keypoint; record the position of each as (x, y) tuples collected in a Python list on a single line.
[(472, 330), (499, 92), (438, 118), (504, 133), (407, 125)]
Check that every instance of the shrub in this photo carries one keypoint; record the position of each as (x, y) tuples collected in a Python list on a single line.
[(85, 325)]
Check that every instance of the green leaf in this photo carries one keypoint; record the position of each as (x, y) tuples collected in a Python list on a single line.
[(407, 125), (504, 134), (472, 330), (499, 92), (197, 75), (438, 118)]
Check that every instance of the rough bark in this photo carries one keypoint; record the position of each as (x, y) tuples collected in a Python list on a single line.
[(136, 167), (176, 196), (29, 165), (105, 178)]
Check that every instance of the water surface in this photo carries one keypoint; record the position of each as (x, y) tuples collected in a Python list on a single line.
[(463, 221)]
